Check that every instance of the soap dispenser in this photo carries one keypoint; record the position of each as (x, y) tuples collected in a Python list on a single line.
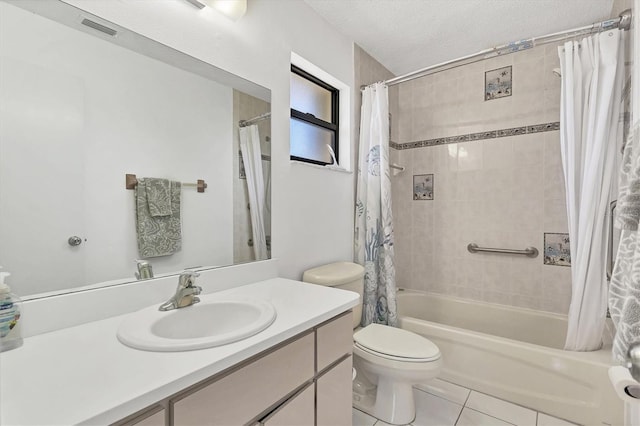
[(10, 336)]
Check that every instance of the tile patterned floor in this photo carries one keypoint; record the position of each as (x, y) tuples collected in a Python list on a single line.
[(442, 403)]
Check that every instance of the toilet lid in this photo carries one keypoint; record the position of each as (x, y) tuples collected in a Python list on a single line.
[(396, 343)]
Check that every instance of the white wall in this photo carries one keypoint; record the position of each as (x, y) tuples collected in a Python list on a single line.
[(79, 113), (312, 208)]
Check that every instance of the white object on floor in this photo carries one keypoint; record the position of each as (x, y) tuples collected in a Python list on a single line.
[(545, 420), (388, 360), (504, 410), (446, 390), (391, 375), (471, 417)]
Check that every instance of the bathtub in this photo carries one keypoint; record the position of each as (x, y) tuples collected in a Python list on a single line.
[(514, 354)]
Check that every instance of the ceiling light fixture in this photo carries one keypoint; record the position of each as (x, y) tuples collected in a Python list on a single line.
[(233, 9)]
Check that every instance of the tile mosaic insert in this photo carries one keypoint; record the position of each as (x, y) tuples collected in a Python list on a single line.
[(497, 83), (556, 249), (423, 187)]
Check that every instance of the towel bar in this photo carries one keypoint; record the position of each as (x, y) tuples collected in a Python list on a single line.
[(529, 251), (131, 181)]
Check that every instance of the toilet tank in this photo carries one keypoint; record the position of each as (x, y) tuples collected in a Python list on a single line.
[(342, 275)]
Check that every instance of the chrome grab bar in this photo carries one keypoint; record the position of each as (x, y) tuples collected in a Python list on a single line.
[(610, 259), (529, 251)]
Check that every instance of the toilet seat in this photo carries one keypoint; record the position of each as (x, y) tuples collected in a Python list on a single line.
[(395, 344)]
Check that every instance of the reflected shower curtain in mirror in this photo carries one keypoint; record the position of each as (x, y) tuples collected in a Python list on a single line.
[(374, 227), (590, 107), (252, 160)]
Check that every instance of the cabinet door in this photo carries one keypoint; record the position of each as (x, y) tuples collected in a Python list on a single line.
[(152, 417), (333, 394), (297, 411), (156, 419), (243, 395), (335, 339)]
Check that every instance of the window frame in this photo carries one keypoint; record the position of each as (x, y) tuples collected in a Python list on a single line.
[(309, 118)]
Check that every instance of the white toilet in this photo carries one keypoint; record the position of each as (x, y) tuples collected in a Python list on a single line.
[(388, 360)]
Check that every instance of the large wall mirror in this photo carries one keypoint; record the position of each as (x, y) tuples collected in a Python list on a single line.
[(83, 104)]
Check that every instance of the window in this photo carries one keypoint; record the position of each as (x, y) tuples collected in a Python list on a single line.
[(314, 118)]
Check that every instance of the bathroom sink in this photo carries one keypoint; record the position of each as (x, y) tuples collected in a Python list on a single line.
[(203, 325)]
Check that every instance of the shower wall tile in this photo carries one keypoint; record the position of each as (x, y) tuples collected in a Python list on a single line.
[(500, 188)]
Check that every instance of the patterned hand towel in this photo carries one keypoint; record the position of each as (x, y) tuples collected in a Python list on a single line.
[(158, 196), (159, 235), (629, 183)]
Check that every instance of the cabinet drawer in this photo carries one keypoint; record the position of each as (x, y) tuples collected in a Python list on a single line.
[(299, 410), (333, 395), (334, 339), (242, 395)]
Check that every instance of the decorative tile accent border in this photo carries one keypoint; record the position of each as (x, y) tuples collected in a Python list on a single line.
[(492, 134)]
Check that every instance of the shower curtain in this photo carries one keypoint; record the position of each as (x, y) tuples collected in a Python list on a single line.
[(590, 107), (624, 292), (373, 227), (252, 160)]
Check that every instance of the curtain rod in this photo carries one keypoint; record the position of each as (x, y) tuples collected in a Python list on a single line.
[(245, 123), (623, 22)]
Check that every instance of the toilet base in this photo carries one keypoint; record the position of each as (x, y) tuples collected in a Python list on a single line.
[(384, 388), (390, 401)]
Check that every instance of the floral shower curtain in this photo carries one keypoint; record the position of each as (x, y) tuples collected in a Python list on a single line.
[(590, 106), (374, 228)]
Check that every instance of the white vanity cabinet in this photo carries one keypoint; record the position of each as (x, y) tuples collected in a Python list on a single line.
[(298, 410), (333, 395), (334, 371), (303, 381), (238, 397)]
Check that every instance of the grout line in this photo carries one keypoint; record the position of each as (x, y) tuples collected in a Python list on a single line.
[(442, 397), (489, 415), (463, 405), (507, 401), (459, 414), (467, 399), (537, 414)]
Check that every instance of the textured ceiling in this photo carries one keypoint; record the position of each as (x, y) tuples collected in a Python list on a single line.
[(406, 35)]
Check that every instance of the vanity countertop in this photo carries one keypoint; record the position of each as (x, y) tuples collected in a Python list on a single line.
[(83, 374)]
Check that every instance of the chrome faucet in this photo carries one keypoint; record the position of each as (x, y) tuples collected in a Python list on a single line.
[(145, 270), (186, 293)]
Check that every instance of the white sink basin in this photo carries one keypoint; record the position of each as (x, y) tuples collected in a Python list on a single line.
[(203, 325)]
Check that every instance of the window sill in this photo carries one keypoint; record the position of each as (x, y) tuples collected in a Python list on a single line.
[(317, 166)]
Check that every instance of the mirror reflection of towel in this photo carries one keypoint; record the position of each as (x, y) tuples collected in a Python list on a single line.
[(158, 224)]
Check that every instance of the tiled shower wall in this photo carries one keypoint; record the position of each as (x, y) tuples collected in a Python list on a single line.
[(499, 192)]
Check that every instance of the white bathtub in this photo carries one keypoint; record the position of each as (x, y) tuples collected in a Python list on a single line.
[(514, 354)]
